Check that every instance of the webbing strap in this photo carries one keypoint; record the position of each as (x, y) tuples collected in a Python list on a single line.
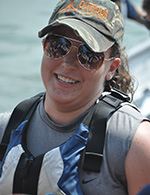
[(21, 112), (27, 174), (97, 125)]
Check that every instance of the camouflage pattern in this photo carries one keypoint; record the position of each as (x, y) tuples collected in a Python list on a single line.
[(98, 22)]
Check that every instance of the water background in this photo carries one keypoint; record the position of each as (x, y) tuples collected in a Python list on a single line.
[(21, 49)]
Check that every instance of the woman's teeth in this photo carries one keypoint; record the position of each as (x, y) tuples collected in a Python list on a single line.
[(65, 80)]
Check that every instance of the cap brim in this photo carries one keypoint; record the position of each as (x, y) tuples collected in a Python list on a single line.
[(97, 41)]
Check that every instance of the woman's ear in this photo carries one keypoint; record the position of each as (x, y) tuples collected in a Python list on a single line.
[(112, 69)]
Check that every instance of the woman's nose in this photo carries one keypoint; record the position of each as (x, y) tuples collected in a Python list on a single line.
[(70, 61)]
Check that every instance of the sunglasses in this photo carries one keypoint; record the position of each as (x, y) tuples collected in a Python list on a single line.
[(57, 46)]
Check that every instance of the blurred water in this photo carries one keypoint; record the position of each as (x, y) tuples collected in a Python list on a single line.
[(21, 49)]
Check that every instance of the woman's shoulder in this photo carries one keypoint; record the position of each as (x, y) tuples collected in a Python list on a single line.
[(138, 158), (128, 113)]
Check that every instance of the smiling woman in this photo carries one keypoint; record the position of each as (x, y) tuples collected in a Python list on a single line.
[(67, 140)]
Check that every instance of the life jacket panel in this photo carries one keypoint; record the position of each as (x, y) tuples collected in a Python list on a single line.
[(54, 172)]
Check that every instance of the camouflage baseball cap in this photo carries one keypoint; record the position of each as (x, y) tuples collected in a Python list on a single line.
[(97, 22)]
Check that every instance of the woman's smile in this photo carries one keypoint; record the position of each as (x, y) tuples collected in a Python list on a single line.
[(65, 80)]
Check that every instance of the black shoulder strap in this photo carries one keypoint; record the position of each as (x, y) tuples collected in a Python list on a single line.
[(21, 112), (97, 121)]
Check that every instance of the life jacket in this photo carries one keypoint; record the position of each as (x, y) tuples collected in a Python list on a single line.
[(88, 139)]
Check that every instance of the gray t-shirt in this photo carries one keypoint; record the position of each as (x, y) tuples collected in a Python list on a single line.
[(43, 135)]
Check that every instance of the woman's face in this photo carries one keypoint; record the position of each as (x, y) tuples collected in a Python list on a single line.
[(68, 85)]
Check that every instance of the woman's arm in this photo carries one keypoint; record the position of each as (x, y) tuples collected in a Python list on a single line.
[(137, 163)]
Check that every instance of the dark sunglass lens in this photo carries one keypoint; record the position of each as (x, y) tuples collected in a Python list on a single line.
[(58, 47), (82, 55), (88, 59)]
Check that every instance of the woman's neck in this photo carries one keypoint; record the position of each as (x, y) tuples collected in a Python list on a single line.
[(64, 114)]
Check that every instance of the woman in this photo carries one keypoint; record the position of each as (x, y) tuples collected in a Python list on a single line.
[(82, 59)]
